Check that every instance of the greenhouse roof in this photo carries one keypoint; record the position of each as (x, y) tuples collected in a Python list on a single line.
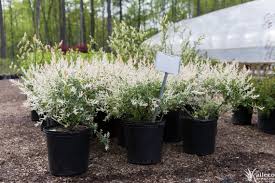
[(244, 33)]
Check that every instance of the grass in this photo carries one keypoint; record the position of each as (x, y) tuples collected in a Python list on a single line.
[(5, 67)]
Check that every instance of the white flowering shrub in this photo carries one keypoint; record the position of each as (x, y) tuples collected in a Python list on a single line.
[(209, 89), (135, 96), (71, 93), (265, 88), (236, 85)]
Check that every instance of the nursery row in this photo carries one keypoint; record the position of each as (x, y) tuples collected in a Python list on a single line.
[(79, 97)]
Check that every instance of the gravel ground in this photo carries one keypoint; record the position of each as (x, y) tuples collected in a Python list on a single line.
[(23, 153)]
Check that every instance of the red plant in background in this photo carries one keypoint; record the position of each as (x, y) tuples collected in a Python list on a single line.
[(81, 48), (64, 48)]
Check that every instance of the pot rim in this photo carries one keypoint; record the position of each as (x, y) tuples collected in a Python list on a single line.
[(143, 123), (85, 130), (205, 121)]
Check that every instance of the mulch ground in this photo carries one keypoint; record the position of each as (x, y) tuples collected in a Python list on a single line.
[(23, 153)]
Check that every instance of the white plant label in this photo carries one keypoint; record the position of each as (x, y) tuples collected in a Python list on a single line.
[(167, 63)]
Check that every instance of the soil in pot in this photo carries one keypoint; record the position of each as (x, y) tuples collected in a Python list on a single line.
[(173, 126), (144, 142), (242, 115), (68, 151), (266, 122), (200, 136)]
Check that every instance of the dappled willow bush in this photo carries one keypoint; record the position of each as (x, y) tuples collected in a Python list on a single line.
[(265, 88), (34, 52), (127, 42)]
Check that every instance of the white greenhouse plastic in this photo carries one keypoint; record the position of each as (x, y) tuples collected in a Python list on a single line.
[(245, 33)]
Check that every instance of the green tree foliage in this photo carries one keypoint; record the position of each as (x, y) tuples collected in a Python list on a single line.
[(20, 17)]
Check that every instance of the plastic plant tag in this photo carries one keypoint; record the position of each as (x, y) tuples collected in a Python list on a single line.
[(167, 63)]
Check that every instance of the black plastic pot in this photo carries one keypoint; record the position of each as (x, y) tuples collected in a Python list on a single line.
[(121, 139), (200, 136), (242, 115), (102, 125), (144, 142), (173, 126), (266, 122), (110, 126), (114, 127), (68, 152), (11, 76), (49, 123), (34, 115)]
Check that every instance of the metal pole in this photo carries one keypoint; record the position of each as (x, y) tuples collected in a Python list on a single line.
[(160, 95)]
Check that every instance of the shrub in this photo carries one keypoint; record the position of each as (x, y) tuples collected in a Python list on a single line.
[(135, 98), (208, 89), (127, 42), (265, 88), (31, 52), (71, 93), (237, 88)]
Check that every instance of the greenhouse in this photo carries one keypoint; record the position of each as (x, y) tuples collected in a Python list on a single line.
[(244, 33)]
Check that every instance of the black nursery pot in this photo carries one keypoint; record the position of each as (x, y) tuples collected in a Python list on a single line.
[(68, 152), (110, 126), (242, 115), (144, 142), (114, 127), (266, 122), (49, 123), (121, 139), (34, 115), (200, 136), (173, 126)]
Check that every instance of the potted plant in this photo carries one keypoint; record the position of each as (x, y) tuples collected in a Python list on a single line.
[(266, 114), (143, 136), (242, 115), (173, 126), (72, 137), (175, 99), (209, 92), (201, 127), (135, 103), (242, 100), (68, 95)]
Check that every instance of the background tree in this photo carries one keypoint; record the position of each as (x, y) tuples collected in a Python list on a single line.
[(109, 21), (82, 24), (3, 34), (11, 30), (37, 17), (120, 11), (46, 15), (92, 23), (62, 20), (55, 20), (198, 7)]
